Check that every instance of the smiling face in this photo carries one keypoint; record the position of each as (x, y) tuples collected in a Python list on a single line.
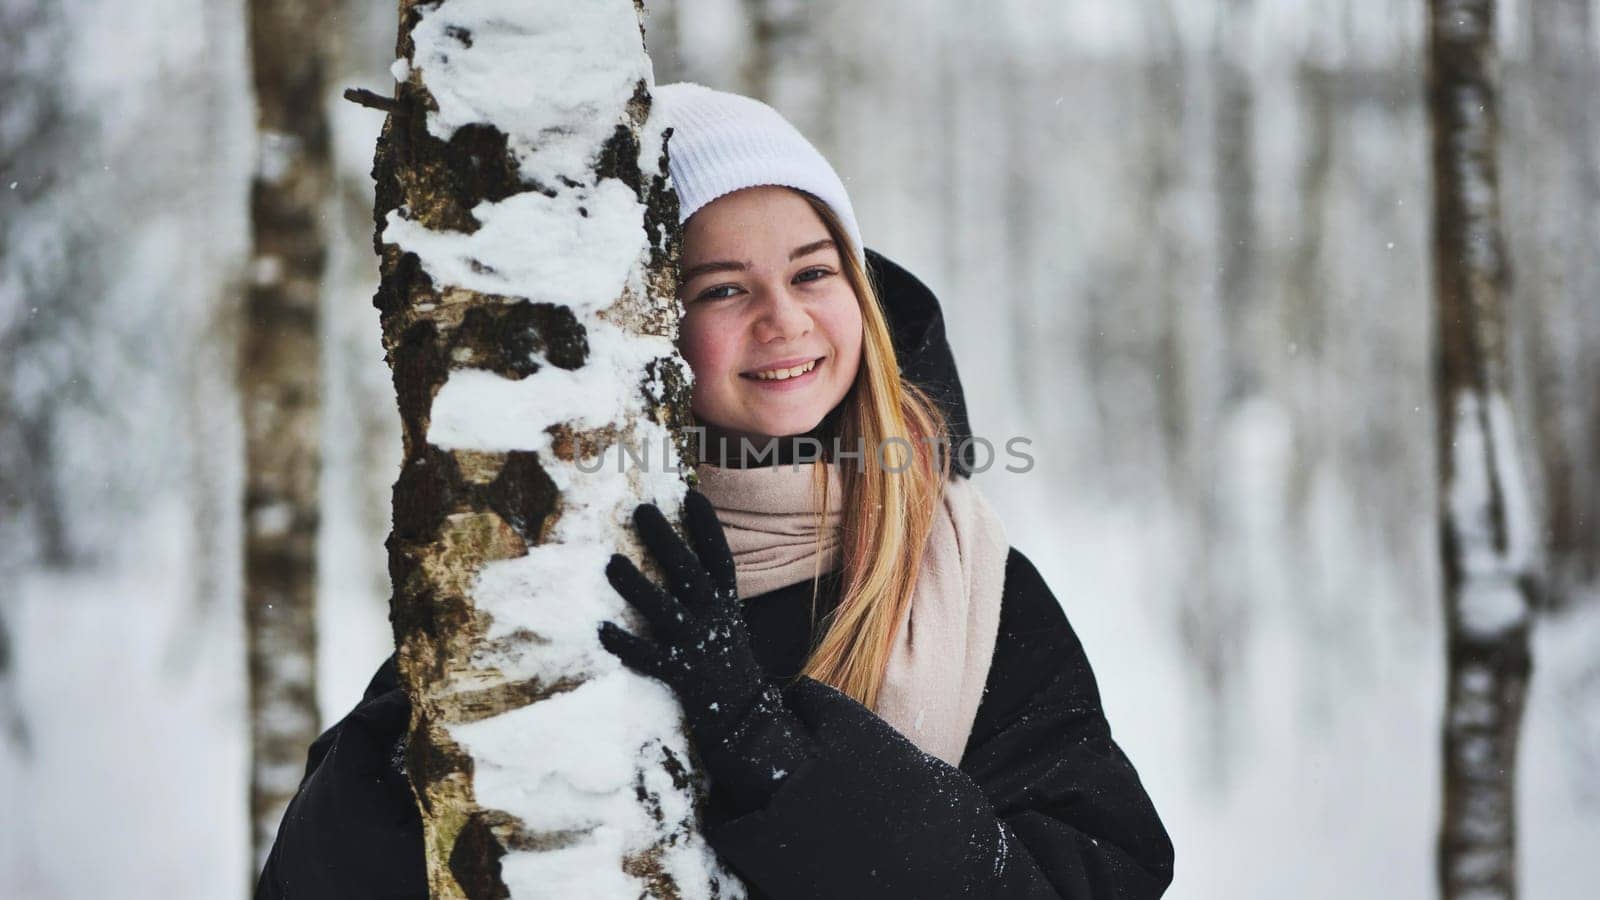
[(771, 328)]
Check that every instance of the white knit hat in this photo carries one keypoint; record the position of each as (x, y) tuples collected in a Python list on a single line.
[(724, 142)]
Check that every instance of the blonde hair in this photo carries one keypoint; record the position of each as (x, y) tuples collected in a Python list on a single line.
[(893, 498)]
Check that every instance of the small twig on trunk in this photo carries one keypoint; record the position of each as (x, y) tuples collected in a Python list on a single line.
[(373, 100)]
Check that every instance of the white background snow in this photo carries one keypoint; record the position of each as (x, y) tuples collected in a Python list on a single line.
[(1252, 569)]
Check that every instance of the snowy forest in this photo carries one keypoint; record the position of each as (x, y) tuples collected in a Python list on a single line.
[(1190, 249)]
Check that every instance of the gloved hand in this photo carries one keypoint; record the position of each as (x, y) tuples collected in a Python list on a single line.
[(747, 738)]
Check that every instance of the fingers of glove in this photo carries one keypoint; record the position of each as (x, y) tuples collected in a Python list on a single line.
[(685, 575), (635, 652), (710, 543), (665, 614)]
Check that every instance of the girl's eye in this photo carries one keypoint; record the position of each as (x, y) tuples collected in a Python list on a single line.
[(815, 274), (715, 293)]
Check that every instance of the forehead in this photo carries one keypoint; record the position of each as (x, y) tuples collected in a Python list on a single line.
[(751, 223)]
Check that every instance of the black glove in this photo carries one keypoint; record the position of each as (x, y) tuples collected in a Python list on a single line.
[(747, 738)]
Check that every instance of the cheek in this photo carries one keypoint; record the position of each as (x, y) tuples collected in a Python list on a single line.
[(698, 343), (843, 324), (707, 348)]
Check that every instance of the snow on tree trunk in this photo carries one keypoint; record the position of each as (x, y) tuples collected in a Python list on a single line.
[(1487, 531), (528, 306), (281, 386)]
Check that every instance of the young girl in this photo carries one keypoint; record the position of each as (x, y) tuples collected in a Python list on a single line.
[(887, 699)]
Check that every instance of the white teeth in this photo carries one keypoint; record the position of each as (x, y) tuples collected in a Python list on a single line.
[(783, 374)]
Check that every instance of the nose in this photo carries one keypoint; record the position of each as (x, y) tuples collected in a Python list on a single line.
[(781, 317)]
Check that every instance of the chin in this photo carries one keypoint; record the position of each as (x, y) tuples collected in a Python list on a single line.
[(786, 426)]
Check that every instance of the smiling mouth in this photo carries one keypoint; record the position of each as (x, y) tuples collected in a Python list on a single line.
[(782, 374)]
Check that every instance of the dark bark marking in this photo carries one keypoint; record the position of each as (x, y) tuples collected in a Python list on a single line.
[(506, 339), (424, 494), (420, 367), (475, 860), (523, 494)]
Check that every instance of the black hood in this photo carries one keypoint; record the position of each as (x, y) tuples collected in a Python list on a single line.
[(917, 325)]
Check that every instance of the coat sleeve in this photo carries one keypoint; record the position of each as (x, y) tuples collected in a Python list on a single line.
[(353, 829), (1044, 804)]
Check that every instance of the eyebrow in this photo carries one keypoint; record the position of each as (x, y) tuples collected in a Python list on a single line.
[(728, 265)]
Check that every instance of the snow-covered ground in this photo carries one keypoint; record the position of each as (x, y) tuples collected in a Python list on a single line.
[(134, 781)]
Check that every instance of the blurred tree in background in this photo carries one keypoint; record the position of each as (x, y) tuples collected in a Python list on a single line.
[(1486, 527), (281, 386)]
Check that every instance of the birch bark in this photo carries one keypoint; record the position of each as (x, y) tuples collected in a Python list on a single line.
[(280, 385), (1486, 529), (526, 229)]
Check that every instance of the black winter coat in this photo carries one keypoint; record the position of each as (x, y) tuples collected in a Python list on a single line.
[(1044, 803)]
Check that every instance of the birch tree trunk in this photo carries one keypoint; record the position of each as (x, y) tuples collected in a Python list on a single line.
[(280, 384), (789, 64), (1486, 529), (777, 28), (527, 298)]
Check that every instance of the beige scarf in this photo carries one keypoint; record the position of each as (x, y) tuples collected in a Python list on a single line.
[(943, 647)]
